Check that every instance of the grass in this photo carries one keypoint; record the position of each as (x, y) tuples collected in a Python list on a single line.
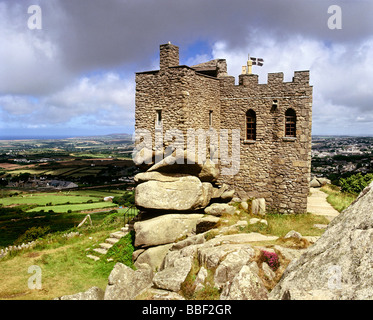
[(95, 193), (278, 224), (30, 171), (122, 250), (42, 199), (338, 200), (65, 267), (65, 270), (75, 207), (57, 172), (209, 291), (62, 216), (11, 230)]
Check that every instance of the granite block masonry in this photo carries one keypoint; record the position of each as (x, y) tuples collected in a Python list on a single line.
[(274, 120)]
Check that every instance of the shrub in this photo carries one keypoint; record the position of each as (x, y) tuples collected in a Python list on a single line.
[(32, 234), (122, 250), (112, 218), (355, 183), (271, 258), (126, 199)]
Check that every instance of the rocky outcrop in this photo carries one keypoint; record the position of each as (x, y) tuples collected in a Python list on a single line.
[(176, 184), (258, 207), (339, 264), (246, 285), (226, 255), (153, 256), (174, 275), (93, 293), (319, 182), (165, 229), (124, 283), (176, 193), (218, 209), (232, 264), (183, 163), (191, 261)]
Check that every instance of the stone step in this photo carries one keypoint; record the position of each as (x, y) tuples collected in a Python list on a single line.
[(100, 250), (91, 256), (112, 240), (105, 245), (125, 229), (118, 234)]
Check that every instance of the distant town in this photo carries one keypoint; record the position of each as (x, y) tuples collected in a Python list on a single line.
[(334, 157), (58, 164)]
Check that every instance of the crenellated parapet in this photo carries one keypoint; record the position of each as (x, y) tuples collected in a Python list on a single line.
[(274, 78)]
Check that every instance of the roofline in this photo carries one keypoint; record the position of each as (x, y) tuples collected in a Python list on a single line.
[(175, 67)]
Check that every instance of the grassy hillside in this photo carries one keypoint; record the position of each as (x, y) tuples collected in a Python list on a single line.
[(59, 211), (65, 267)]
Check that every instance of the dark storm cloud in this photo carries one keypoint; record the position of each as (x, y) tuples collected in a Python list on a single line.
[(84, 35), (107, 33)]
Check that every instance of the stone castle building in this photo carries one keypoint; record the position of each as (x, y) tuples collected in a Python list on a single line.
[(274, 121)]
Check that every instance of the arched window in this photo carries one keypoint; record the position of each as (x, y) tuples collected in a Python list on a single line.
[(250, 125), (290, 123)]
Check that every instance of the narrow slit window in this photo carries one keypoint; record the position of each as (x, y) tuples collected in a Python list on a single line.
[(274, 105), (159, 118), (290, 123), (210, 118), (250, 125)]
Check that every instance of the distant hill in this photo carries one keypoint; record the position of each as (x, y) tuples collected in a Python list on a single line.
[(122, 136)]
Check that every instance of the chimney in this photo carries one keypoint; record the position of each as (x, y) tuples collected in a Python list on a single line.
[(169, 55)]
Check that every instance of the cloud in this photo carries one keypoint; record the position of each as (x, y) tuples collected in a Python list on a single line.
[(30, 60), (78, 70), (101, 100), (341, 75)]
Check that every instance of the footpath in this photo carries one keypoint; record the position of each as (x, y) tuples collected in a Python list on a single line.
[(318, 205)]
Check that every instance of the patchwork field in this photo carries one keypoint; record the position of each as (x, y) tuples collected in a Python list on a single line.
[(41, 199), (58, 210), (76, 207)]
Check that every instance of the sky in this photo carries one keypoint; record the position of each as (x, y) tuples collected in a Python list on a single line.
[(75, 74)]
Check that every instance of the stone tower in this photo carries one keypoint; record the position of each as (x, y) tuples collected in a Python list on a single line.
[(274, 122)]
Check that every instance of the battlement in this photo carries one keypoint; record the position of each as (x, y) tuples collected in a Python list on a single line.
[(274, 78), (301, 76)]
